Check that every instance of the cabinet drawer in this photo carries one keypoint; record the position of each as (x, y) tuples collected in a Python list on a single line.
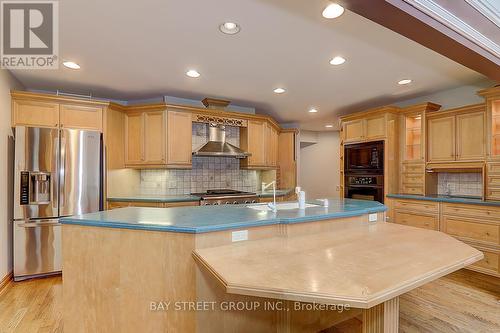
[(490, 262), (414, 168), (493, 168), (471, 211), (493, 194), (493, 181), (413, 179), (417, 206), (181, 204), (413, 189), (416, 220), (472, 230)]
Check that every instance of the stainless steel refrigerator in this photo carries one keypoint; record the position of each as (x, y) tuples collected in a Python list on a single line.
[(57, 173)]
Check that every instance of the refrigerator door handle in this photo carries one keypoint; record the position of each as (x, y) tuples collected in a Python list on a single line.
[(55, 176), (62, 172)]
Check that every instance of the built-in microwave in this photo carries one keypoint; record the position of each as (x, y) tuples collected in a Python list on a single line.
[(367, 158)]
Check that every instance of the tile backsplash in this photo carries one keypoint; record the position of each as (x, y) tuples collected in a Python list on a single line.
[(460, 184), (207, 172)]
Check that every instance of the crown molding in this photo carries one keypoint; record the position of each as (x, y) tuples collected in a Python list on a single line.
[(454, 23), (487, 10)]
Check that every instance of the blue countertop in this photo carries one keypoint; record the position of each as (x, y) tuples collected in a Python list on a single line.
[(446, 198), (214, 218), (182, 197)]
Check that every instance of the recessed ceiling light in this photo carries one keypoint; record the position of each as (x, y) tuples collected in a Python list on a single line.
[(71, 65), (329, 126), (333, 10), (338, 60), (193, 73), (229, 28), (279, 90), (313, 110), (405, 81)]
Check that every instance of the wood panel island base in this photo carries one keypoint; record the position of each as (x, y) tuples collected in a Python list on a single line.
[(237, 269)]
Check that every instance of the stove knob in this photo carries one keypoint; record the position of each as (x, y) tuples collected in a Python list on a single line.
[(206, 204), (217, 203), (247, 201), (254, 201), (227, 203), (235, 202)]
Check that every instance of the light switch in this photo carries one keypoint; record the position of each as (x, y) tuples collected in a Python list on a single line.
[(372, 217), (240, 235)]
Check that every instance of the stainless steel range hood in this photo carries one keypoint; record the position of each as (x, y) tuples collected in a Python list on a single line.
[(217, 145)]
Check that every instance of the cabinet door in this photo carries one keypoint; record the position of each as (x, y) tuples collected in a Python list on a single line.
[(375, 128), (471, 139), (255, 143), (134, 138), (82, 117), (154, 137), (441, 139), (35, 113), (271, 144), (354, 130), (179, 139), (286, 160)]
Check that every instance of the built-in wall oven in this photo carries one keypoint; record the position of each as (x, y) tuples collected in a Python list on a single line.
[(364, 171)]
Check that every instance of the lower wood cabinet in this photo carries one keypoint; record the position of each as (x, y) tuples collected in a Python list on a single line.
[(430, 222), (122, 204), (476, 225)]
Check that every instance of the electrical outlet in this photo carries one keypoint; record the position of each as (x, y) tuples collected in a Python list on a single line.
[(372, 217), (240, 235)]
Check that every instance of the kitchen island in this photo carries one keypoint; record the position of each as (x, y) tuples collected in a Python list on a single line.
[(241, 269)]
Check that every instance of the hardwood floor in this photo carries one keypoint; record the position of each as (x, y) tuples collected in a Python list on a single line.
[(32, 306), (464, 302)]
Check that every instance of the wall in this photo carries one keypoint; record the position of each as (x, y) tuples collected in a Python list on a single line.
[(7, 82), (452, 98), (460, 184), (319, 165)]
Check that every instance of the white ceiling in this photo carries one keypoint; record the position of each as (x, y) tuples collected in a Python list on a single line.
[(142, 49)]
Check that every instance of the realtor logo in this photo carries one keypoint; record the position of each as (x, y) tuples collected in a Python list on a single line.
[(29, 33)]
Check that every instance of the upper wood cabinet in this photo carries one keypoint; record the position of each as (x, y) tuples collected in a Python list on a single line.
[(36, 110), (81, 116), (158, 138), (35, 113), (366, 129), (492, 96), (271, 146), (252, 140), (287, 155), (471, 140), (441, 139), (179, 139), (134, 139), (457, 135), (354, 130)]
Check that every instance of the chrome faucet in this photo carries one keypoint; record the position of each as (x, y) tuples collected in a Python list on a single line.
[(272, 205)]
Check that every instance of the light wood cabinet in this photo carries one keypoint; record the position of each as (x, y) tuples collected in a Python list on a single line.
[(35, 113), (441, 139), (375, 128), (154, 204), (287, 164), (179, 139), (492, 97), (471, 138), (459, 135), (252, 140), (370, 128), (134, 139), (81, 117), (416, 220), (154, 137), (354, 130), (158, 138), (271, 146)]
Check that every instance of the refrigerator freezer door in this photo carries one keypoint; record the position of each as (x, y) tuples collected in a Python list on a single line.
[(80, 172), (37, 248), (36, 172)]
